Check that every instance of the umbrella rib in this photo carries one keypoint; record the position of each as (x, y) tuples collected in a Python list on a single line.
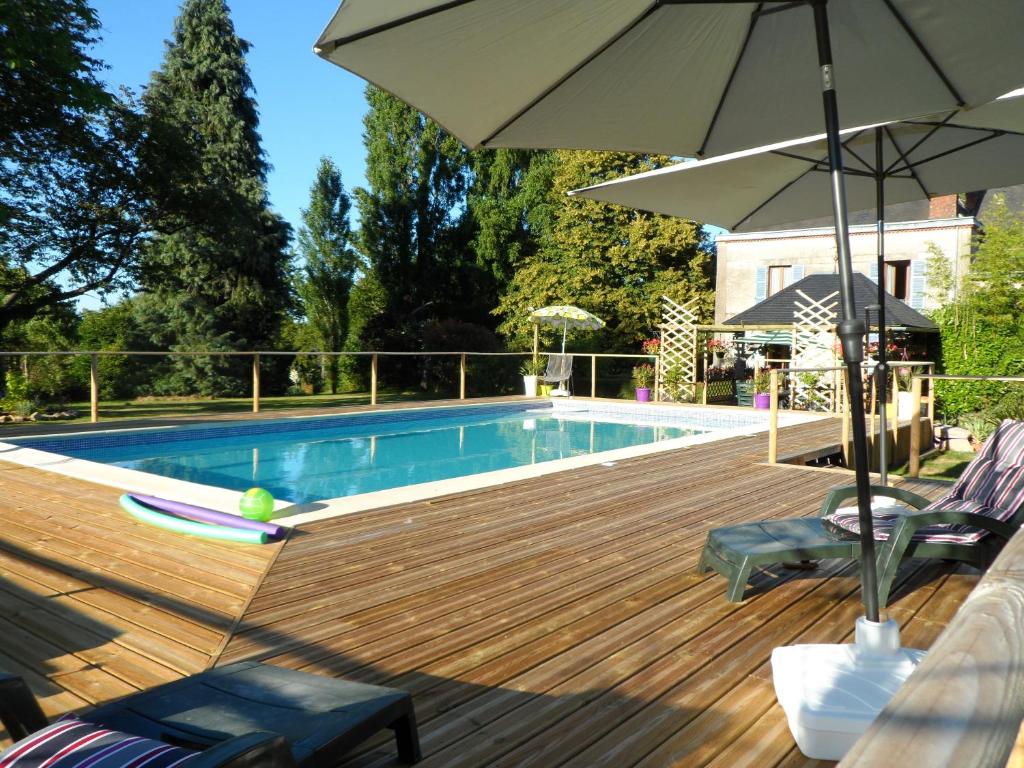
[(925, 52), (568, 75), (778, 192), (906, 160), (934, 129), (995, 134), (754, 16), (332, 45)]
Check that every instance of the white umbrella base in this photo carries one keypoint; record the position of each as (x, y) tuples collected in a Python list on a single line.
[(832, 693), (559, 392)]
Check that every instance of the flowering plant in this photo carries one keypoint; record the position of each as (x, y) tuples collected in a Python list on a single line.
[(762, 381), (717, 347), (643, 375), (650, 346)]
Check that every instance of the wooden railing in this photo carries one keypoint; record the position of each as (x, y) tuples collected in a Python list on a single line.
[(840, 399), (257, 356), (964, 705), (914, 468)]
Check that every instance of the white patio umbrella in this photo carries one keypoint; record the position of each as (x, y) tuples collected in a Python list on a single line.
[(688, 77), (566, 316), (958, 151)]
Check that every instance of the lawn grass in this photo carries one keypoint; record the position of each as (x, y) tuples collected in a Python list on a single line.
[(942, 465), (171, 408)]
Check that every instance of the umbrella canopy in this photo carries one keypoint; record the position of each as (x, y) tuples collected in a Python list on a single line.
[(678, 78), (567, 317), (958, 151), (688, 77), (954, 152)]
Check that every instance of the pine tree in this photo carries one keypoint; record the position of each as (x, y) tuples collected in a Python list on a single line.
[(219, 263), (615, 262), (325, 279)]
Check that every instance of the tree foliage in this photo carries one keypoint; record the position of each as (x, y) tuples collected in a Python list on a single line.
[(612, 261), (329, 264), (218, 263), (982, 329), (412, 233), (71, 212)]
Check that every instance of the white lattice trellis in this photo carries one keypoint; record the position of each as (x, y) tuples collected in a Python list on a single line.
[(814, 347), (677, 356)]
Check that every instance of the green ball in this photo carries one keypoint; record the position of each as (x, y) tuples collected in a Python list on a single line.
[(257, 504)]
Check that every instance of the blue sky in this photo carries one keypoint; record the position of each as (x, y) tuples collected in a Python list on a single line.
[(308, 108)]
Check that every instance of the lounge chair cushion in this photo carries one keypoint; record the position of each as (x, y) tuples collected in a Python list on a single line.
[(71, 742), (992, 485)]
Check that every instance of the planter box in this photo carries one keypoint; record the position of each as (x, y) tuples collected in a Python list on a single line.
[(530, 386), (762, 401), (643, 394)]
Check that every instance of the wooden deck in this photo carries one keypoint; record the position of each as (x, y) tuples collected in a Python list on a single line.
[(559, 621), (94, 605), (556, 621)]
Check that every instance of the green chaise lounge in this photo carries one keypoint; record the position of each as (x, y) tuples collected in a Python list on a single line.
[(982, 510), (242, 715)]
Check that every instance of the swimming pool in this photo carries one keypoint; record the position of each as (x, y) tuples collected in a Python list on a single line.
[(307, 459)]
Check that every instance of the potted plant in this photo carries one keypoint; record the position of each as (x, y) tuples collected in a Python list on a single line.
[(718, 348), (643, 375), (762, 389), (531, 369)]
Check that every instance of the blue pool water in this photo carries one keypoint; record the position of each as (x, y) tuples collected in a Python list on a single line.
[(302, 460)]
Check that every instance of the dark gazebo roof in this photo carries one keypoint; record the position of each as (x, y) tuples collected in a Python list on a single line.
[(780, 307)]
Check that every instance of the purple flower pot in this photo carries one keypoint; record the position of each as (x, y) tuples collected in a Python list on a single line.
[(763, 401), (643, 394)]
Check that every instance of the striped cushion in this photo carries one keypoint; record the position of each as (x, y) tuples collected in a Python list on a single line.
[(992, 485), (71, 743)]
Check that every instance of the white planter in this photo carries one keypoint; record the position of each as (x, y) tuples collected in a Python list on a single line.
[(530, 385), (905, 404)]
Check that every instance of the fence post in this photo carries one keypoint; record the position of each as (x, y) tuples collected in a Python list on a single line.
[(593, 376), (94, 388), (915, 429), (931, 397), (256, 382), (373, 379), (462, 377), (773, 416)]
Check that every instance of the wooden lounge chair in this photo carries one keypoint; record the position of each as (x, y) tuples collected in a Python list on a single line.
[(245, 714), (971, 523)]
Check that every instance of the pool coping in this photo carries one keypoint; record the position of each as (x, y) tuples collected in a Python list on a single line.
[(291, 515)]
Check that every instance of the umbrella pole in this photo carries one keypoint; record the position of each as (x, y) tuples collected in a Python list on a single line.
[(565, 327), (881, 370), (851, 329)]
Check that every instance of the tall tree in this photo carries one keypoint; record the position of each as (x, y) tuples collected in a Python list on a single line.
[(325, 279), (71, 212), (509, 204), (219, 261), (613, 261), (412, 233)]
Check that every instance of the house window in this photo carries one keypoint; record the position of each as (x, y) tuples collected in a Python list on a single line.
[(897, 279), (776, 279)]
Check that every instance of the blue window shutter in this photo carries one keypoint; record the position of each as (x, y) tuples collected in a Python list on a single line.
[(796, 273), (917, 281), (761, 285), (873, 272)]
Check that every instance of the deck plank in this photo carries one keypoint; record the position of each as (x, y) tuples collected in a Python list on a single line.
[(96, 605), (559, 621), (554, 621)]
